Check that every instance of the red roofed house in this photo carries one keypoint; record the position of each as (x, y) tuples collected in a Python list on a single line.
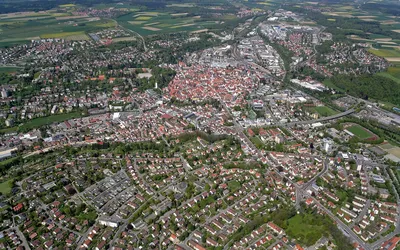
[(18, 207), (390, 244)]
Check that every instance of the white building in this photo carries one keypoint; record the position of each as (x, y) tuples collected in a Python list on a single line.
[(328, 143), (108, 223)]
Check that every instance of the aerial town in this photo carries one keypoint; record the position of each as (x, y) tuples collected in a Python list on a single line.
[(263, 134)]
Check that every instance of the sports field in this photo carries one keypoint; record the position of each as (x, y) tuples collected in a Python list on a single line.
[(360, 132)]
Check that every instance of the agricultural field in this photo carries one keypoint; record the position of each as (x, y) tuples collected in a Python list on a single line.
[(386, 53), (151, 22), (124, 39), (360, 132), (24, 27), (72, 36), (390, 54), (67, 5)]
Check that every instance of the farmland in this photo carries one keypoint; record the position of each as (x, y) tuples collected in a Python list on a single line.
[(386, 53), (21, 28), (80, 35), (18, 28), (151, 23)]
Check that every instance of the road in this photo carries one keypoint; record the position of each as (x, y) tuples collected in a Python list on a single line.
[(324, 119), (137, 34), (350, 232), (300, 193), (324, 169), (22, 238)]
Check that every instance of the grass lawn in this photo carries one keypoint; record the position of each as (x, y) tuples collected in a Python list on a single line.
[(8, 130), (360, 132), (233, 186), (5, 187), (342, 195), (325, 111), (329, 84), (38, 122), (9, 69), (305, 229), (257, 142), (91, 216), (42, 121)]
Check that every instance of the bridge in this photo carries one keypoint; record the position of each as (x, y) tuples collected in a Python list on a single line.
[(324, 119)]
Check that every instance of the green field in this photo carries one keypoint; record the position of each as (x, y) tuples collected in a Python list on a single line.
[(390, 76), (360, 132), (234, 186), (330, 84), (325, 111), (256, 141), (385, 52), (152, 23), (43, 121), (304, 229), (67, 5), (50, 25), (5, 187), (393, 72), (9, 69)]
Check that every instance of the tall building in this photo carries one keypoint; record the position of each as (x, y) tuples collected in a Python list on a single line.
[(328, 143)]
